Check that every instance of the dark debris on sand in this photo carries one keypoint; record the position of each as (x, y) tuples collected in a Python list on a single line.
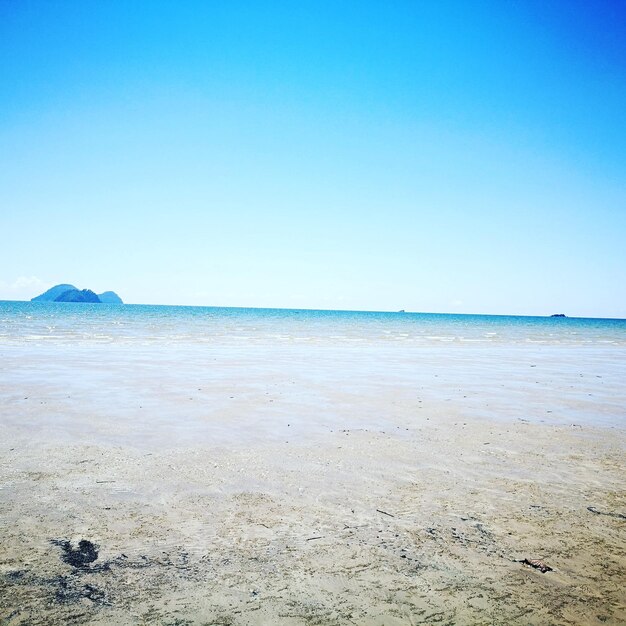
[(82, 556), (70, 590)]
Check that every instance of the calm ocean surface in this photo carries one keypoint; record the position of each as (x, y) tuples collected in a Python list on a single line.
[(52, 323), (162, 374)]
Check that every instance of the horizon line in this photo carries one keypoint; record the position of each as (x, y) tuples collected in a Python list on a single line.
[(278, 308)]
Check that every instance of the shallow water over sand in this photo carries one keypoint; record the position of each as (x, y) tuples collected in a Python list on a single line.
[(151, 395)]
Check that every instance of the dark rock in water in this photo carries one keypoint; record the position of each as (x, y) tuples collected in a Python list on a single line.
[(53, 293), (110, 297), (86, 552), (558, 315), (75, 295)]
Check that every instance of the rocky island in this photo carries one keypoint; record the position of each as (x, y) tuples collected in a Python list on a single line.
[(69, 293)]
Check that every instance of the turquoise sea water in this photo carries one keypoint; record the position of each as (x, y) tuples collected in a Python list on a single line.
[(175, 374), (55, 323)]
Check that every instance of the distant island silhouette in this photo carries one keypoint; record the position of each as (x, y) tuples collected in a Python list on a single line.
[(69, 293)]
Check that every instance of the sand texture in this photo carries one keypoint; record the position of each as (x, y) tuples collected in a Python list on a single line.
[(317, 488)]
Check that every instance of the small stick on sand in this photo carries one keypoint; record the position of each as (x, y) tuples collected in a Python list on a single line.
[(384, 512), (609, 513)]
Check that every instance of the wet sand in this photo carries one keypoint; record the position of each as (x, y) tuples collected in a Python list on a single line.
[(313, 486)]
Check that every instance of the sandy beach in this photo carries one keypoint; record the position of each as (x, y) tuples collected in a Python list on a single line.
[(301, 486), (312, 313)]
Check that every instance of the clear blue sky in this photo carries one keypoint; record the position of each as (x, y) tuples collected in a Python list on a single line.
[(436, 156)]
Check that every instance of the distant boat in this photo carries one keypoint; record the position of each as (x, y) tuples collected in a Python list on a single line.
[(558, 315), (401, 311)]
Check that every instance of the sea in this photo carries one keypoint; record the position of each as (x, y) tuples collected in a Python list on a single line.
[(177, 375), (43, 323)]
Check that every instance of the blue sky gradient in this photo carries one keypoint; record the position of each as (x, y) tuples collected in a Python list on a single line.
[(437, 156)]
